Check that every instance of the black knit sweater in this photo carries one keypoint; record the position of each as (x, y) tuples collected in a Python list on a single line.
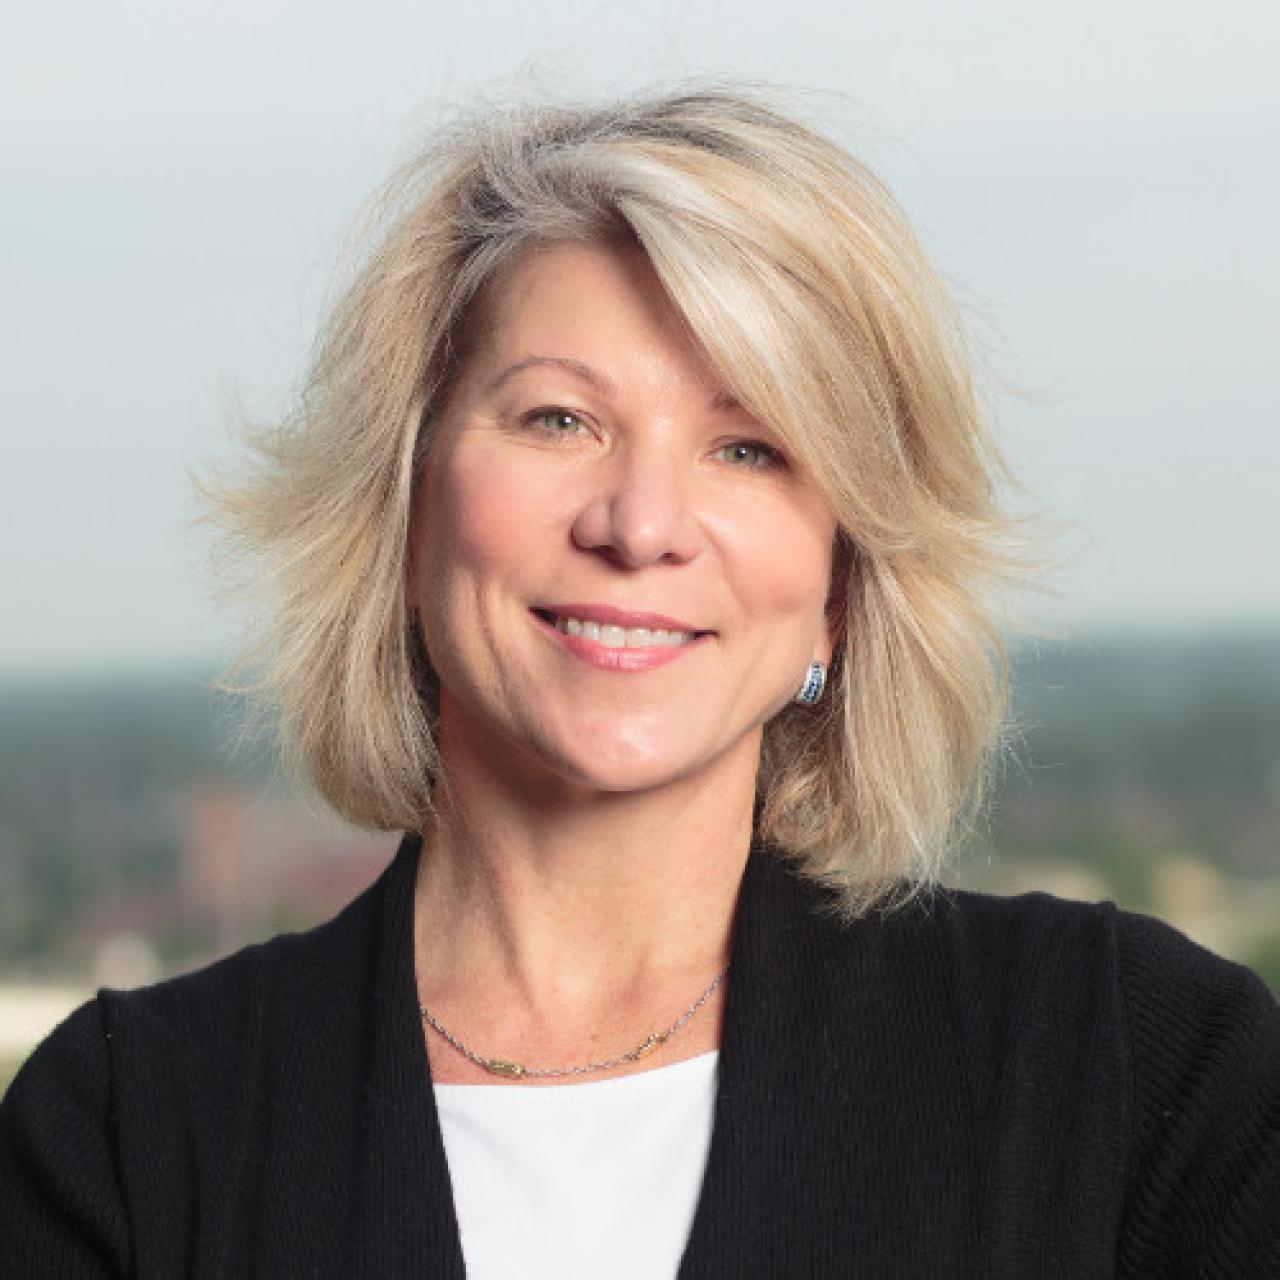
[(967, 1086)]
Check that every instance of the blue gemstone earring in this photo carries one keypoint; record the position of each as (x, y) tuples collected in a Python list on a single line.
[(815, 680)]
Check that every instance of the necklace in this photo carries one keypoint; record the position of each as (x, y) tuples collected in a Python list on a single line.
[(518, 1071)]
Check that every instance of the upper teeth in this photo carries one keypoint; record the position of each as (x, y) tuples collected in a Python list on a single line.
[(621, 637)]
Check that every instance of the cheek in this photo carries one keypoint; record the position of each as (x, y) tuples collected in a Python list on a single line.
[(785, 563), (474, 519)]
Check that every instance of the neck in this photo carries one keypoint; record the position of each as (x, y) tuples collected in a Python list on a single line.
[(561, 901)]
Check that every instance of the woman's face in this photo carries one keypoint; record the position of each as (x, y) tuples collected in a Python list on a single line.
[(589, 485)]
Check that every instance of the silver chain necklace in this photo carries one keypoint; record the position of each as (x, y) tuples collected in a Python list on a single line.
[(518, 1071)]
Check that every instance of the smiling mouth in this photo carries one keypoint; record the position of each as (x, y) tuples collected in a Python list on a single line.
[(613, 636)]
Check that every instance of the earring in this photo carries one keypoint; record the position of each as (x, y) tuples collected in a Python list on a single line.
[(815, 680)]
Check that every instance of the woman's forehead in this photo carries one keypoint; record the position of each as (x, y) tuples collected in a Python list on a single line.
[(597, 312)]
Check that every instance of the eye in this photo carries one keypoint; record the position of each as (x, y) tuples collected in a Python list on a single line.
[(555, 422), (751, 455)]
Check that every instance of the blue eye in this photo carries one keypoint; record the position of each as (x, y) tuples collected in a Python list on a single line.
[(749, 454)]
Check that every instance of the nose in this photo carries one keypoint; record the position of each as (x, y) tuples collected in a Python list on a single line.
[(639, 512)]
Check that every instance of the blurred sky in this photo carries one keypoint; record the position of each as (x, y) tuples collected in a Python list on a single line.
[(1099, 181)]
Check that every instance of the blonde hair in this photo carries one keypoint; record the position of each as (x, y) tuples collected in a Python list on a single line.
[(801, 278)]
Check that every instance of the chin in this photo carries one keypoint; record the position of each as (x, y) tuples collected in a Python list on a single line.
[(624, 774), (618, 765)]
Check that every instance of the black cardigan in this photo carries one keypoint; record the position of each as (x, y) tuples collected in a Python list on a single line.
[(967, 1086)]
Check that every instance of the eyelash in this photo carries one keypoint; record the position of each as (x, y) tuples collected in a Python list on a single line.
[(536, 418)]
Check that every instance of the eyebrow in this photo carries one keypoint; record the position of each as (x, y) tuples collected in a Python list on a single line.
[(721, 402), (584, 371)]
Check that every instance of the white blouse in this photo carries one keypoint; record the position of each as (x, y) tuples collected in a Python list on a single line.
[(578, 1180)]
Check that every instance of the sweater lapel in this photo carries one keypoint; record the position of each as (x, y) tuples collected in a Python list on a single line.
[(756, 1068), (405, 1221), (826, 1028)]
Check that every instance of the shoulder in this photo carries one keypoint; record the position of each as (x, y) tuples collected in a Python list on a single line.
[(1099, 999), (1204, 1048), (112, 1108), (61, 1207), (1114, 1014), (216, 1004), (225, 1001), (209, 1048), (1043, 978), (1167, 997), (1022, 934), (1038, 938), (1161, 978), (993, 949)]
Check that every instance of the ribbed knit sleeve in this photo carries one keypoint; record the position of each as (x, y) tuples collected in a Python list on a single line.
[(1203, 1193), (61, 1210)]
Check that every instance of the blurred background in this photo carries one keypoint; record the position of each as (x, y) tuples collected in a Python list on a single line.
[(1097, 181)]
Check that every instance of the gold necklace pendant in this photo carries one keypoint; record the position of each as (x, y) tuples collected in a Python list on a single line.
[(649, 1044), (501, 1067)]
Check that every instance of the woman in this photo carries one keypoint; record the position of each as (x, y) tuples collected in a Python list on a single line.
[(628, 549)]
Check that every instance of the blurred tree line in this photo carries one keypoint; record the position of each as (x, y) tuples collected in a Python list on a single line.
[(1143, 769)]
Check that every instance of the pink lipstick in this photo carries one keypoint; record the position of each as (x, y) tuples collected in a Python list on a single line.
[(614, 639)]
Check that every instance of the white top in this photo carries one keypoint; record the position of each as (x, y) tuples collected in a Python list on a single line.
[(578, 1180)]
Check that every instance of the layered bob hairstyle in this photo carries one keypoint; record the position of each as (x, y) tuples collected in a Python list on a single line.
[(800, 277)]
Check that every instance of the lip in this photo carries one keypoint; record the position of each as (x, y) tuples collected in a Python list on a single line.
[(607, 614), (606, 658)]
